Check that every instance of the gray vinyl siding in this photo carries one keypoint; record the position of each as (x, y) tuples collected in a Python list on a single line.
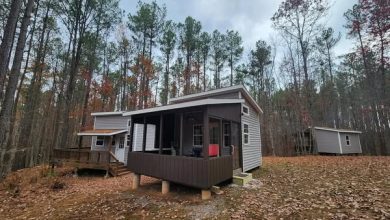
[(104, 147), (229, 95), (251, 153), (327, 141), (108, 122), (354, 147), (111, 122)]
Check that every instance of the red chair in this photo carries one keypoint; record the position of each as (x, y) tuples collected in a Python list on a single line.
[(213, 150)]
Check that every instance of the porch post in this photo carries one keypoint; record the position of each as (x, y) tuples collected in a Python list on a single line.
[(206, 133), (231, 138), (110, 144), (181, 134), (109, 156), (144, 135), (221, 140), (131, 133), (161, 133)]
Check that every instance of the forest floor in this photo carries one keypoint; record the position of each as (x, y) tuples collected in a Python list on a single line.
[(285, 187)]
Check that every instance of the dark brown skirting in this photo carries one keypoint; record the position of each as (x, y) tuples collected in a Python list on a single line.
[(191, 171)]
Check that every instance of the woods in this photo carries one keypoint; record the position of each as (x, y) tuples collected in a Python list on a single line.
[(62, 60)]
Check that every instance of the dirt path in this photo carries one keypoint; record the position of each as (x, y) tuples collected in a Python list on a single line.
[(296, 187)]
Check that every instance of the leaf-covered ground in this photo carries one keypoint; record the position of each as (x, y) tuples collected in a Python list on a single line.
[(289, 187)]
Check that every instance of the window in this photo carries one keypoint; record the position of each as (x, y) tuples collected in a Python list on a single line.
[(198, 135), (121, 142), (128, 140), (99, 141), (347, 140), (245, 110), (128, 123), (246, 134), (226, 134)]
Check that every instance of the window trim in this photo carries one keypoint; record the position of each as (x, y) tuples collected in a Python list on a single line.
[(242, 110), (127, 140), (198, 135), (226, 135), (347, 140), (245, 133), (120, 143), (97, 139)]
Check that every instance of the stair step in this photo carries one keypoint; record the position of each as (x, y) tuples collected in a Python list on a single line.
[(117, 165), (120, 170), (122, 173)]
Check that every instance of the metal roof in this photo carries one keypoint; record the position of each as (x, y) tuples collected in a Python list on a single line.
[(106, 113), (221, 91), (337, 130), (185, 105), (101, 132)]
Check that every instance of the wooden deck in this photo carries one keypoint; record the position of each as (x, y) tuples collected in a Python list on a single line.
[(87, 159), (191, 171)]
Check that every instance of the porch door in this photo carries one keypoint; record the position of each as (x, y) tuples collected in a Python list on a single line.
[(120, 148), (237, 145)]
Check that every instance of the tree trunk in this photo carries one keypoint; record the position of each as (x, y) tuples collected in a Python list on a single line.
[(34, 89), (76, 53), (204, 75), (13, 118), (6, 42), (8, 104)]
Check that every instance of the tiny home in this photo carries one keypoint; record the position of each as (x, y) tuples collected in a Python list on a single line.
[(197, 140), (110, 133), (337, 141), (201, 139)]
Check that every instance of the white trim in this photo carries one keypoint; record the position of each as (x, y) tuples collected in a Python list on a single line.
[(251, 100), (102, 134), (119, 142), (193, 135), (341, 148), (185, 105), (243, 134), (360, 145), (242, 109), (106, 113), (97, 138), (347, 142), (337, 130)]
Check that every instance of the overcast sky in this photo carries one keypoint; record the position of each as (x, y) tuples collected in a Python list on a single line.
[(251, 18)]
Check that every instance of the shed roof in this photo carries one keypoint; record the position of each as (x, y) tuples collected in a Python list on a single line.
[(101, 132), (225, 90), (107, 113), (185, 105), (338, 130)]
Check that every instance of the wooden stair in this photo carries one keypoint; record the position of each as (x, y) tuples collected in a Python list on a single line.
[(118, 169)]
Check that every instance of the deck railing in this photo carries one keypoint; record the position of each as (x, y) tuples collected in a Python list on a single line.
[(82, 156), (190, 171)]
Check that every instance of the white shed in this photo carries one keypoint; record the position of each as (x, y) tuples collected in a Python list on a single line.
[(337, 141)]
